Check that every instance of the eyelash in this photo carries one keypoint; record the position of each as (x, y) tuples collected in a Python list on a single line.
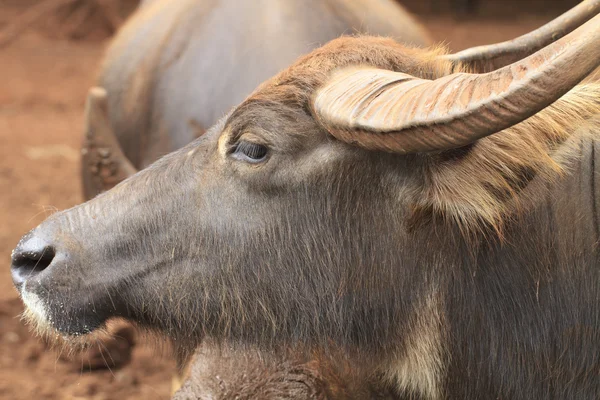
[(250, 152)]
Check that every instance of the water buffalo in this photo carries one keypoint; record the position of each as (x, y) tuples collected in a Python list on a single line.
[(436, 222), (176, 67)]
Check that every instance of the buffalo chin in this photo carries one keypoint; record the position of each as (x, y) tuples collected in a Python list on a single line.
[(59, 326)]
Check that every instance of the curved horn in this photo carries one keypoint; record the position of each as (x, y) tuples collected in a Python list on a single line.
[(491, 57), (102, 160), (396, 112)]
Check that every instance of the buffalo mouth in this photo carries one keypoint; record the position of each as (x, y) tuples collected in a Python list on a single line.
[(56, 302), (49, 313)]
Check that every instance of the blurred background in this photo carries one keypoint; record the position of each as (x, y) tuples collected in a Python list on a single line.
[(49, 54)]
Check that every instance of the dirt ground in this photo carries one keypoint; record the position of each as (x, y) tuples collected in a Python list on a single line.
[(43, 83)]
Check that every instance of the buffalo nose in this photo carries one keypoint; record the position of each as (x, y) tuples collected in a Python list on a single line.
[(31, 256)]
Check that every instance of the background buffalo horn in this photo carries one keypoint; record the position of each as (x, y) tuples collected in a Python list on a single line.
[(103, 162), (494, 56), (391, 111)]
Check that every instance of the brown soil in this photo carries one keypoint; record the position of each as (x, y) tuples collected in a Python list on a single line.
[(42, 89)]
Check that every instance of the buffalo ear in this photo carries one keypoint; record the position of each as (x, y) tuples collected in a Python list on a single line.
[(103, 164), (482, 185)]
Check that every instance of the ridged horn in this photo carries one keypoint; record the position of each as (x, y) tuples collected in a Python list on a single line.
[(491, 57), (102, 160), (395, 112)]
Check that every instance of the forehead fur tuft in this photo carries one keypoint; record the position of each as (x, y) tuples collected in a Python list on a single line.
[(297, 84)]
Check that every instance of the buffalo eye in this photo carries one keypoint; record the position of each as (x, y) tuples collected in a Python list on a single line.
[(250, 152)]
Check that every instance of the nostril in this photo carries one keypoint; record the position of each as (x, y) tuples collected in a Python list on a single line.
[(31, 257), (33, 261)]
